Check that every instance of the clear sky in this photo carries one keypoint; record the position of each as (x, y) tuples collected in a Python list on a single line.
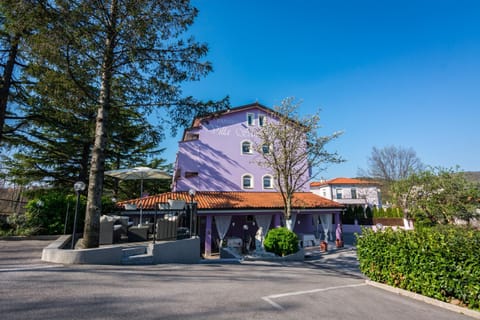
[(403, 73)]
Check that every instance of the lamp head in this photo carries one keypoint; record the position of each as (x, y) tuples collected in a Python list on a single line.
[(79, 186)]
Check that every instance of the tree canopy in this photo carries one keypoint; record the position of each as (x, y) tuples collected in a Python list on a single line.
[(437, 195), (392, 163), (96, 71)]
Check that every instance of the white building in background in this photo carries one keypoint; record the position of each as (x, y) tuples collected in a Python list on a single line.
[(351, 192)]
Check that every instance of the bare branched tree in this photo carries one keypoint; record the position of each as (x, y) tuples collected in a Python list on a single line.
[(392, 163), (292, 150)]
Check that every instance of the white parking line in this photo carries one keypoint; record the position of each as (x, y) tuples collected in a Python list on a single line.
[(29, 267), (270, 298)]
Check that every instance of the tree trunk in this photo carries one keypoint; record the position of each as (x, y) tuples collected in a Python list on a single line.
[(288, 212), (7, 82), (97, 165)]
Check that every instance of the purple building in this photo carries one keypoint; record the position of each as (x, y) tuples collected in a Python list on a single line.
[(234, 194), (216, 153)]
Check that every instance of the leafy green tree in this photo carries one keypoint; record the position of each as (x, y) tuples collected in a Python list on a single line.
[(296, 149), (437, 195)]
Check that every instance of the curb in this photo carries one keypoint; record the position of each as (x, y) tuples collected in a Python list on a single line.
[(462, 310), (38, 237)]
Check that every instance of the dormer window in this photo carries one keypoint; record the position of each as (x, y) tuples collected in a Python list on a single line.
[(250, 119), (247, 181), (246, 147)]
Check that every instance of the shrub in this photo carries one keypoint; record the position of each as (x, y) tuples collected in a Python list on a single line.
[(441, 262), (348, 216), (281, 241), (47, 211)]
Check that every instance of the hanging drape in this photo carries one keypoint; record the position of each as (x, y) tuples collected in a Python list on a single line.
[(263, 221), (326, 220), (316, 225), (223, 224)]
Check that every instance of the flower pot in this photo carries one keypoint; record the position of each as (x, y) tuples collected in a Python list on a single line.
[(339, 243), (323, 246)]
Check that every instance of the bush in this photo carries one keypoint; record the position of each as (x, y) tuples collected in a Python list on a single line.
[(281, 241), (441, 262), (46, 214)]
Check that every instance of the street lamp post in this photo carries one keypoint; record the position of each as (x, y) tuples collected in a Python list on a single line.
[(79, 186), (192, 193)]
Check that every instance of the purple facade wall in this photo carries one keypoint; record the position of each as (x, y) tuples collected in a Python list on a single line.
[(215, 162)]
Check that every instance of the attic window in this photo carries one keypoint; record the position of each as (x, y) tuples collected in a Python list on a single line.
[(191, 174), (261, 120), (250, 119)]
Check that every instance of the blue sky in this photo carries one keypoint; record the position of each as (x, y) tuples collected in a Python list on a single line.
[(403, 73)]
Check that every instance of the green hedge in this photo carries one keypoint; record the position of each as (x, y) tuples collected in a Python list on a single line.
[(281, 241), (441, 262), (387, 213)]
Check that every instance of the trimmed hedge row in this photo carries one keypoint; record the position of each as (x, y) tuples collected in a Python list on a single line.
[(441, 262)]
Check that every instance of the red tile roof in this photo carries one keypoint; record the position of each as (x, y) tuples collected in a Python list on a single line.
[(341, 181), (238, 200)]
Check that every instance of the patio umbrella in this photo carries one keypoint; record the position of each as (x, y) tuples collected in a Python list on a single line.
[(138, 173)]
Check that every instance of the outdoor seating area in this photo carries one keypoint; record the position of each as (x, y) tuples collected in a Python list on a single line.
[(170, 221)]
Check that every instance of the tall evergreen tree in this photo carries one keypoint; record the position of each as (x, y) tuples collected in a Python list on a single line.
[(136, 48), (18, 19)]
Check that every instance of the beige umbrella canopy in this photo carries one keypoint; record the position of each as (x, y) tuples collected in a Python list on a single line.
[(138, 173)]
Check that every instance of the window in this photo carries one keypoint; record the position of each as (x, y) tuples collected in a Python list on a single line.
[(191, 136), (354, 193), (261, 121), (247, 181), (191, 174), (265, 149), (246, 147), (178, 173), (339, 193), (267, 182), (250, 119)]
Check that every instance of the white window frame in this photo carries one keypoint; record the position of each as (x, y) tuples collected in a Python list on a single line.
[(353, 193), (338, 193), (251, 181), (271, 181), (250, 149), (250, 119)]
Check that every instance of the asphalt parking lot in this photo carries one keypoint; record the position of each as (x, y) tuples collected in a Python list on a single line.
[(325, 286)]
